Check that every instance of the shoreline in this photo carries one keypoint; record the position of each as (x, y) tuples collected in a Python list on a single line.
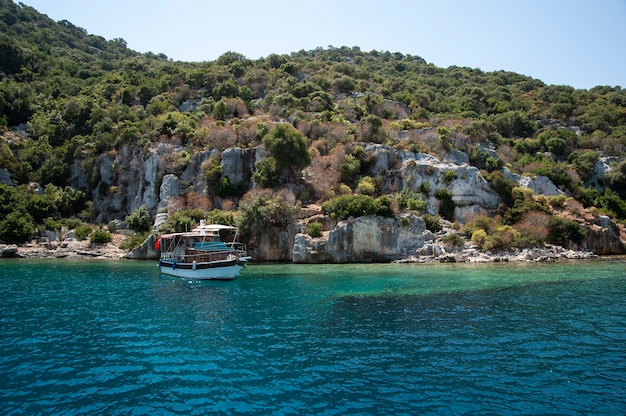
[(74, 249)]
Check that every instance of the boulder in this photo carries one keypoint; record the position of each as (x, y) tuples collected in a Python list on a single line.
[(540, 185), (604, 237), (362, 239), (145, 251)]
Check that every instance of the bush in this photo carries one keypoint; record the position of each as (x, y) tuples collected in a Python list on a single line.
[(411, 200), (562, 231), (349, 169), (346, 206), (502, 185), (432, 222), (480, 222), (503, 238), (16, 228), (52, 225), (133, 241), (524, 201), (71, 223), (367, 186), (450, 176), (100, 236), (266, 173), (140, 220), (447, 207), (533, 228), (288, 147), (262, 211), (82, 232), (453, 240), (314, 229)]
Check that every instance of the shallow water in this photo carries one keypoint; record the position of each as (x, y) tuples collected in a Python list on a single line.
[(118, 338)]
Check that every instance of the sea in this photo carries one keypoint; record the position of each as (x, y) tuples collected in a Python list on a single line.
[(91, 337)]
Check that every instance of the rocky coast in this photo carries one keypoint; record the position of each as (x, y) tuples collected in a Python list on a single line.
[(434, 251)]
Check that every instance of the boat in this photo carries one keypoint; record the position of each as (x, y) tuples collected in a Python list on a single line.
[(200, 254)]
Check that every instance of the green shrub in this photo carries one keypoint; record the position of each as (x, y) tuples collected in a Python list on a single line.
[(453, 240), (447, 207), (82, 232), (17, 227), (411, 200), (346, 206), (562, 231), (133, 241), (432, 222), (314, 229), (263, 211), (100, 236), (479, 237), (52, 224), (450, 176), (140, 220), (502, 185), (71, 223), (478, 222), (266, 173), (367, 186), (504, 237), (349, 169), (524, 202)]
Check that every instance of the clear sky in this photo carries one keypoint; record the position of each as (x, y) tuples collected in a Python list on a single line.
[(581, 43)]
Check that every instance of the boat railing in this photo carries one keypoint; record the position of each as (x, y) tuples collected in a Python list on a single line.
[(203, 256), (240, 248)]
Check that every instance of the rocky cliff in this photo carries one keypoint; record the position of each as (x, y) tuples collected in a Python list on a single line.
[(154, 177)]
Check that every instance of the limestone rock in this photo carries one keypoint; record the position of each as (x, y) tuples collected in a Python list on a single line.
[(402, 169), (604, 237), (145, 251), (540, 185), (170, 188), (362, 239)]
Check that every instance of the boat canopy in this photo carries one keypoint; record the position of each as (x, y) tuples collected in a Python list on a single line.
[(201, 230)]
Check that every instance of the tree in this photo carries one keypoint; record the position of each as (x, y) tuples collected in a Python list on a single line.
[(16, 228), (288, 147)]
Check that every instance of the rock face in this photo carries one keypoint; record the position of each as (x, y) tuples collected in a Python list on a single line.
[(128, 180), (145, 251), (274, 244), (603, 237), (362, 239), (170, 188), (238, 164), (402, 169), (136, 176), (540, 185)]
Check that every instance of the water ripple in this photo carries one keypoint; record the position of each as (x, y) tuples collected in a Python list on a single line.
[(86, 339)]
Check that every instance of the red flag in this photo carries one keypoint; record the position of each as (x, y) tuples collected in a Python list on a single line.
[(157, 244)]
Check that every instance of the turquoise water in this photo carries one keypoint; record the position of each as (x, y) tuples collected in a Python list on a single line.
[(118, 338)]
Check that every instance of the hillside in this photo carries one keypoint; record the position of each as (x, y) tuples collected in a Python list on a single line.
[(95, 133)]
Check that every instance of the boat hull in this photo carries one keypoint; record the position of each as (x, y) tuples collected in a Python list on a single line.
[(223, 270)]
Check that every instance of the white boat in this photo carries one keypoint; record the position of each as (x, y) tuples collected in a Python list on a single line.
[(200, 254)]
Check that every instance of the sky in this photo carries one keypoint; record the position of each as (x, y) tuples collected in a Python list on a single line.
[(580, 43)]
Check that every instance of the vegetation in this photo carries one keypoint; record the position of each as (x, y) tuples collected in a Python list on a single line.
[(346, 206), (70, 100), (140, 220), (314, 229), (100, 236)]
